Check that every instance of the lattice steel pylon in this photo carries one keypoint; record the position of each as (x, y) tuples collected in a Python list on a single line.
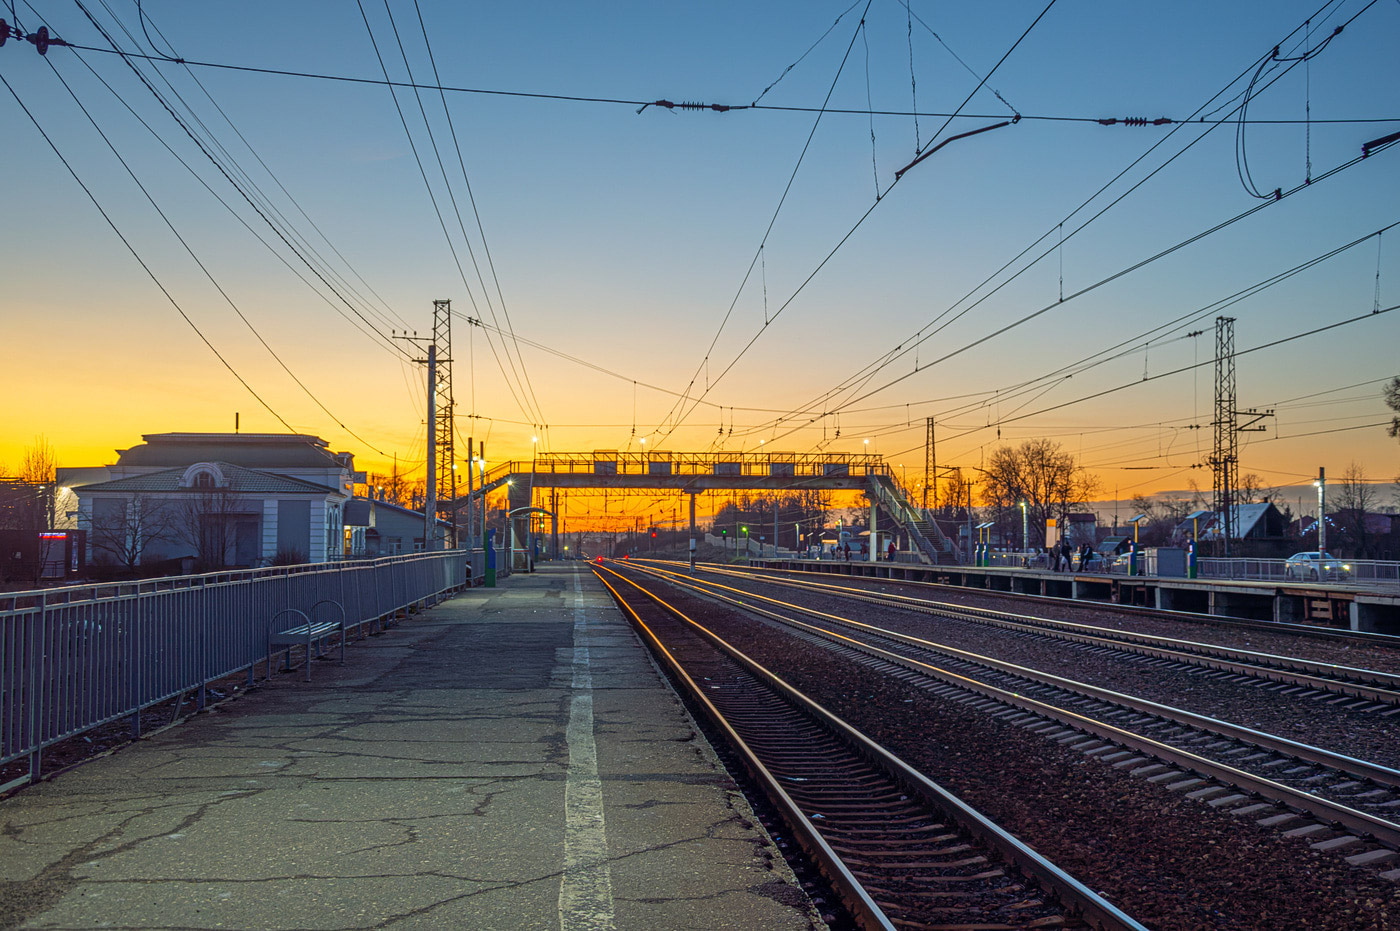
[(930, 468), (443, 413), (1225, 459)]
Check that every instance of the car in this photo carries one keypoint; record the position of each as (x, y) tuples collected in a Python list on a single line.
[(1315, 566)]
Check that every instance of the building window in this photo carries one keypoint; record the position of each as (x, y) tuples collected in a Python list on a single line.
[(203, 480)]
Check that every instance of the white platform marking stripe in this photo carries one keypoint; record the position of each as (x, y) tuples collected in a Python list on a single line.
[(585, 889)]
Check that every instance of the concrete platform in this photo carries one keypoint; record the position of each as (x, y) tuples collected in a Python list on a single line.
[(508, 760)]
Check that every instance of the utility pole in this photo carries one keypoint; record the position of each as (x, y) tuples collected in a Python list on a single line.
[(430, 486), (430, 496), (1321, 484)]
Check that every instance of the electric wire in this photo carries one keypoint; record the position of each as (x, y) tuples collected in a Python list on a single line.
[(678, 411), (898, 176), (136, 255), (263, 198), (194, 138), (639, 102), (862, 377), (480, 227), (437, 210), (204, 268)]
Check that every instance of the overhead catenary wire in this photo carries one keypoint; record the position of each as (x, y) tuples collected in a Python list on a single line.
[(681, 416), (858, 380), (476, 213), (635, 102), (204, 268), (142, 262), (195, 139), (677, 414), (437, 210), (304, 241)]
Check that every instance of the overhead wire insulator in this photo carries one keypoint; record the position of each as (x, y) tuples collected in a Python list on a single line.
[(1135, 121)]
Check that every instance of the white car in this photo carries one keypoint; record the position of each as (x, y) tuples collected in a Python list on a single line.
[(1315, 567)]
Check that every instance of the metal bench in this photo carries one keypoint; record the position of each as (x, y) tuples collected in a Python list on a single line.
[(308, 633)]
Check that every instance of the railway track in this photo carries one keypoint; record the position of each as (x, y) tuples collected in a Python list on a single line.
[(1340, 803), (1373, 690), (899, 850), (1222, 621)]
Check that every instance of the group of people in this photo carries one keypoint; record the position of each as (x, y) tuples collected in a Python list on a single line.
[(1063, 557), (845, 550)]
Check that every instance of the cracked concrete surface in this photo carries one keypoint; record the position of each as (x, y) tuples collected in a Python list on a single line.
[(419, 786)]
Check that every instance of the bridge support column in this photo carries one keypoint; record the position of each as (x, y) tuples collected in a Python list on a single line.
[(874, 546)]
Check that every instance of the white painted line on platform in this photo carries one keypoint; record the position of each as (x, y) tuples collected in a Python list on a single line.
[(585, 889)]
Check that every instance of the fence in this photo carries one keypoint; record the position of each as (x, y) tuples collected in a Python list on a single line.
[(77, 657), (1377, 573)]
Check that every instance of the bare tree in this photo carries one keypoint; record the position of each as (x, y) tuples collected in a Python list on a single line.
[(1391, 394), (1040, 473), (126, 532), (206, 521), (1355, 496)]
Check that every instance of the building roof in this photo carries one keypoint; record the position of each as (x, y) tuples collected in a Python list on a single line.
[(240, 481), (250, 450), (1248, 518)]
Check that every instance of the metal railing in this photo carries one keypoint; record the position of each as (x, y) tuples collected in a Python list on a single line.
[(1371, 573), (77, 657), (1380, 573)]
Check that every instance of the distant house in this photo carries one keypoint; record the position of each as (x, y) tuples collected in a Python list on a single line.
[(219, 500), (1261, 521), (382, 528)]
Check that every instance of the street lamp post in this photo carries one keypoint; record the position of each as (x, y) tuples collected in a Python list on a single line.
[(1321, 484), (1025, 529)]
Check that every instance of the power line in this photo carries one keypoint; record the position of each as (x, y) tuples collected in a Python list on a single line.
[(861, 378), (433, 197), (304, 241), (928, 149), (476, 213), (195, 139), (136, 255), (203, 268), (677, 410), (635, 102)]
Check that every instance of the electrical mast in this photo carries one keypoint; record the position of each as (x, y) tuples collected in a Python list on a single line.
[(1225, 458), (930, 468), (444, 409)]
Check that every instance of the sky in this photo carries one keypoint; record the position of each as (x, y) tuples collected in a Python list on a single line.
[(702, 279)]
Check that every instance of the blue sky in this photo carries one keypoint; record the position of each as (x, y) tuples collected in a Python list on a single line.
[(622, 238)]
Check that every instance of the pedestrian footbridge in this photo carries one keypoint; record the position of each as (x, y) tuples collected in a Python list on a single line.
[(697, 473)]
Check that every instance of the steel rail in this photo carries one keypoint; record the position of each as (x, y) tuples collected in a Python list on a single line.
[(1078, 898), (853, 895), (1371, 684), (1355, 821), (1310, 631)]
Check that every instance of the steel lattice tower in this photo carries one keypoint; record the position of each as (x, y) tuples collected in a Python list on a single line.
[(1225, 459), (930, 469), (442, 391)]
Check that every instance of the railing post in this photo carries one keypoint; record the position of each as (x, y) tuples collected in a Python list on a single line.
[(38, 625), (133, 656)]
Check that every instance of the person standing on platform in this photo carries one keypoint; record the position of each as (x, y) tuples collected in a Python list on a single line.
[(890, 552)]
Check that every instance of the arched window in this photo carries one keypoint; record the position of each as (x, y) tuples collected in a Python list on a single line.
[(203, 480)]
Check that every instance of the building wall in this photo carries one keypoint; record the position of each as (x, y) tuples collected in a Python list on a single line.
[(294, 526)]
